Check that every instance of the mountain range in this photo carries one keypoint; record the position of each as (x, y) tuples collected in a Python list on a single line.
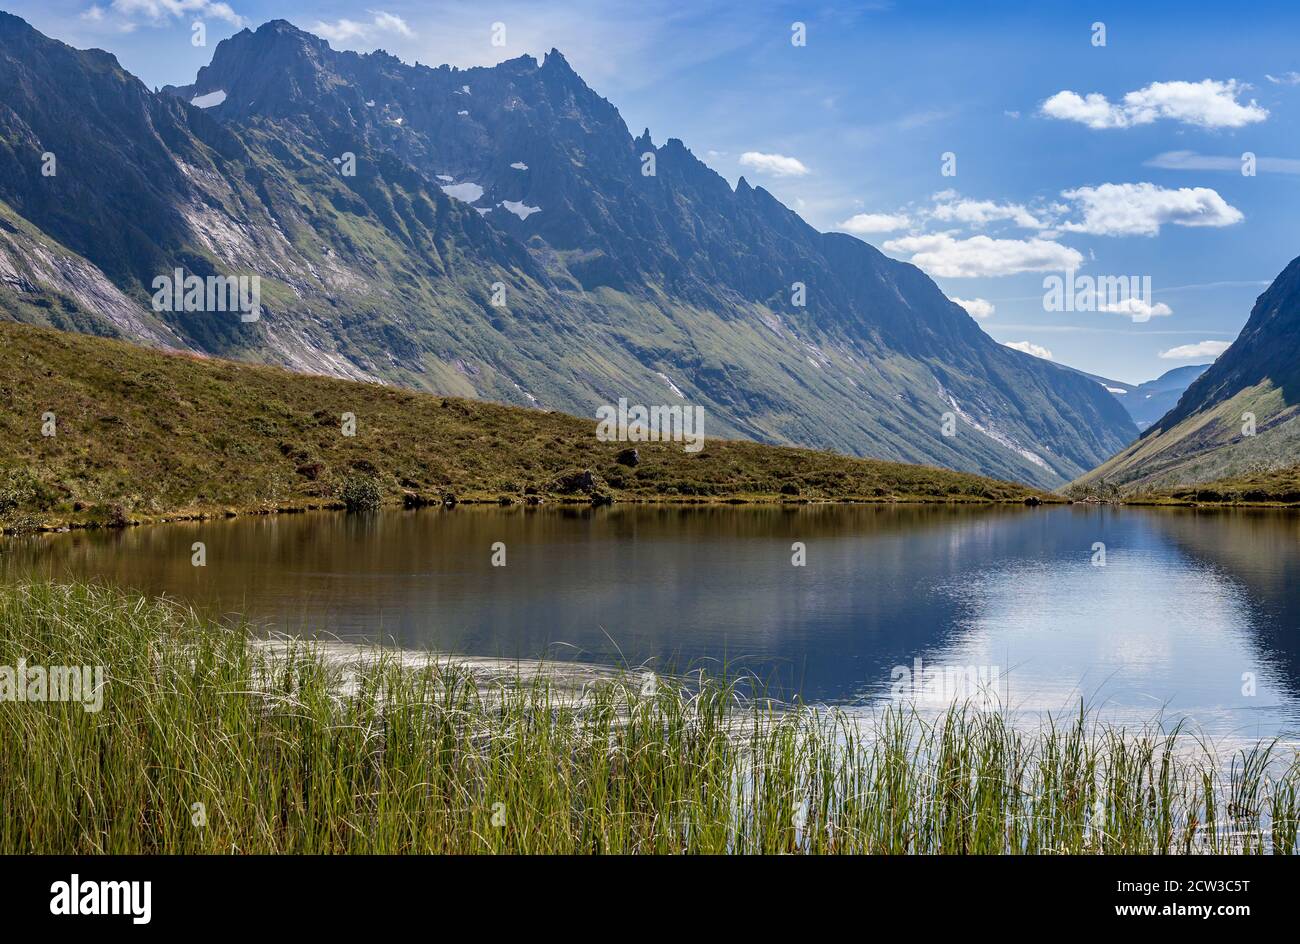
[(495, 233), (1147, 402)]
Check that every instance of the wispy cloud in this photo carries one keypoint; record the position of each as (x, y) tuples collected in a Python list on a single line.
[(1202, 349), (774, 165), (1286, 78), (614, 47), (346, 31), (979, 213), (127, 14), (1190, 160), (1207, 104)]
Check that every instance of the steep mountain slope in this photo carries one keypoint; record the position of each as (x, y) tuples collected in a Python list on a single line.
[(1147, 402), (1208, 435), (144, 184), (514, 184)]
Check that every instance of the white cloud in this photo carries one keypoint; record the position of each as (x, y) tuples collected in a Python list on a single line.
[(1199, 350), (982, 256), (777, 165), (1138, 309), (1286, 78), (1206, 104), (158, 12), (345, 30), (982, 212), (1029, 347), (1190, 160), (863, 223), (390, 23), (1141, 209), (975, 307)]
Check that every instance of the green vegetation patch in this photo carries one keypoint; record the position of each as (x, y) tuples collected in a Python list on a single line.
[(139, 434)]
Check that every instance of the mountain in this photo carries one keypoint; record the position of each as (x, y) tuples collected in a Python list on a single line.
[(1147, 402), (1240, 417), (1151, 400), (502, 238)]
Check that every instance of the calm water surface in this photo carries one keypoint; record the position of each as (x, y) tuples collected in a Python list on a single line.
[(1187, 609)]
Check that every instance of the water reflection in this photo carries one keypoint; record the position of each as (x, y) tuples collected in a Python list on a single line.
[(1185, 606)]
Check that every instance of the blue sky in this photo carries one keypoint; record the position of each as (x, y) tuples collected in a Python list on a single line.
[(1123, 159)]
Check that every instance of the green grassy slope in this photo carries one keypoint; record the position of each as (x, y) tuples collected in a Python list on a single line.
[(1280, 486), (160, 434)]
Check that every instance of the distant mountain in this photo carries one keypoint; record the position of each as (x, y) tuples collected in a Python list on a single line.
[(504, 237), (1147, 402), (1239, 417), (1150, 401)]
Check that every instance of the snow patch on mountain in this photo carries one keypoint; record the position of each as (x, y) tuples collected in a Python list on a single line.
[(519, 209), (671, 386), (467, 191), (1000, 438), (209, 99)]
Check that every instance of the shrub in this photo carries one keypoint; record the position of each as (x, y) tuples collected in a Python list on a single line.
[(361, 493), (17, 490)]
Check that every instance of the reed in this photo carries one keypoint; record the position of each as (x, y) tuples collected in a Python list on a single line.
[(209, 743)]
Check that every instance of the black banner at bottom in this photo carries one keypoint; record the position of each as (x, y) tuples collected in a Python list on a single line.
[(143, 895)]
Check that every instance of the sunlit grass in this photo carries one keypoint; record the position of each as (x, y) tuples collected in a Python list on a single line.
[(142, 434), (286, 750)]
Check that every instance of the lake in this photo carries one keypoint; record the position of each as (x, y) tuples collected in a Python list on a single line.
[(1139, 612)]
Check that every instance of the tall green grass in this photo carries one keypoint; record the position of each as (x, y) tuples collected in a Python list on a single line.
[(287, 750)]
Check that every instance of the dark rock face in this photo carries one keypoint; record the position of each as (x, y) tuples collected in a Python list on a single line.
[(629, 457), (492, 287)]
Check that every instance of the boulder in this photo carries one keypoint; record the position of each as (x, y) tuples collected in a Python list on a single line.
[(572, 482)]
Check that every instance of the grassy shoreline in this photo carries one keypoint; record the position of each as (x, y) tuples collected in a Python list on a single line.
[(95, 432), (208, 744), (1269, 488), (57, 525)]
